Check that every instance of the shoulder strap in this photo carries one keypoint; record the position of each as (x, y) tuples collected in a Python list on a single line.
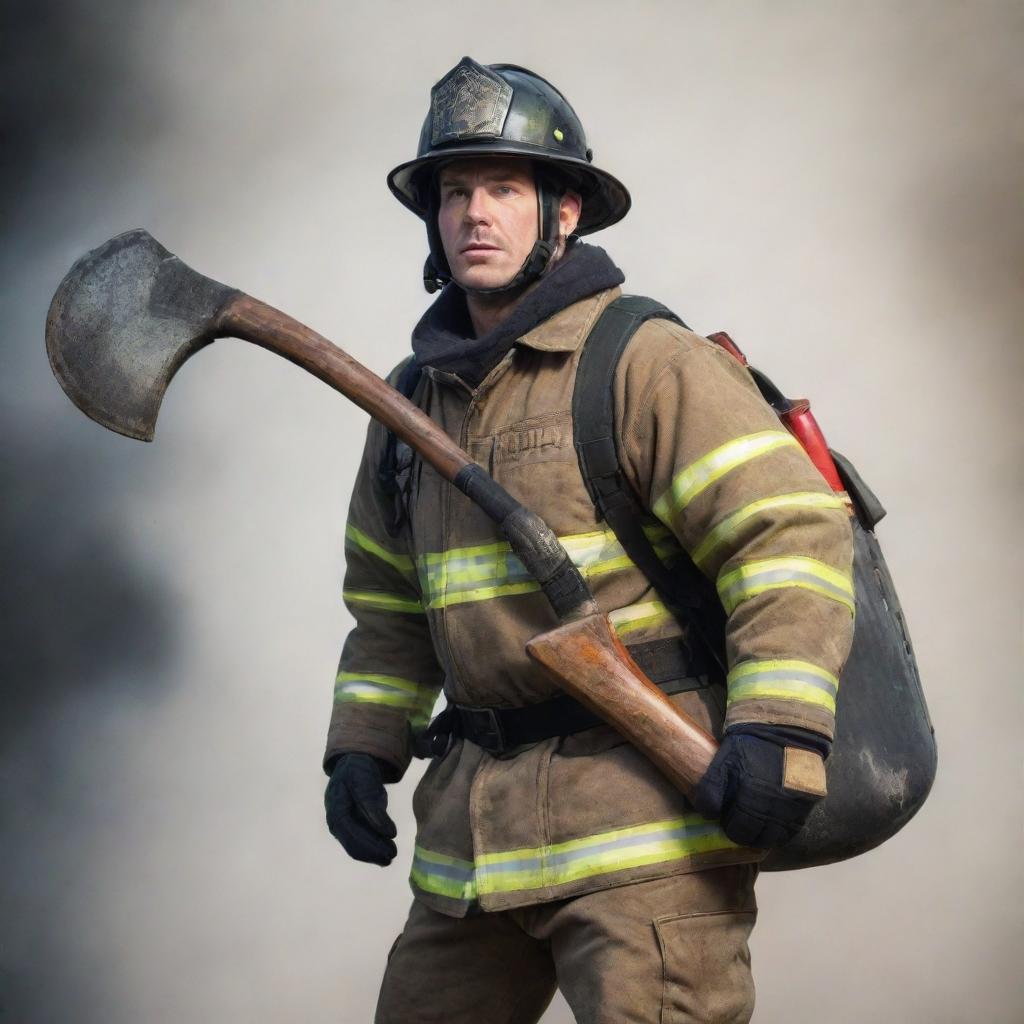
[(387, 470), (683, 587)]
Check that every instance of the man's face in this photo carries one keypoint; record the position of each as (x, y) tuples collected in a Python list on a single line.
[(487, 219)]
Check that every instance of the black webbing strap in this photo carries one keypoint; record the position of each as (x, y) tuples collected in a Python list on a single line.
[(388, 470), (683, 587), (664, 662)]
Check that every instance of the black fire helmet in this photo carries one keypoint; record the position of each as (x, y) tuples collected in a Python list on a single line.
[(499, 110)]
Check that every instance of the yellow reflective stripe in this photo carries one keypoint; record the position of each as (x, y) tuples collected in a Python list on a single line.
[(483, 594), (391, 691), (699, 475), (783, 680), (381, 602), (488, 571), (596, 553), (561, 863), (728, 527), (753, 578), (358, 539), (444, 875), (617, 850), (381, 681), (639, 616)]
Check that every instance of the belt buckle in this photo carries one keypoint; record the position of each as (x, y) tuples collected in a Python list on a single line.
[(436, 739), (486, 726)]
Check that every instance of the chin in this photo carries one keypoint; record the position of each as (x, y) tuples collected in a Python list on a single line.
[(483, 278)]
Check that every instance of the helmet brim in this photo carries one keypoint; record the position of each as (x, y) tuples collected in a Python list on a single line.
[(605, 199)]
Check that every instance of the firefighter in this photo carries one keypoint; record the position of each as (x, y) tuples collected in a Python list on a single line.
[(549, 851)]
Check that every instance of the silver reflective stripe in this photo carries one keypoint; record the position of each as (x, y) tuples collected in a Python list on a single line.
[(621, 849), (675, 839), (755, 578), (389, 691), (805, 678), (645, 615), (729, 528), (599, 851), (489, 571), (699, 475), (444, 875), (783, 680)]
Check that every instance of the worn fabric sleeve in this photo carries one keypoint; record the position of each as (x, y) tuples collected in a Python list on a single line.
[(388, 678), (712, 461)]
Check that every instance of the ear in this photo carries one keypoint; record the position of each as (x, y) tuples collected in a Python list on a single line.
[(569, 213)]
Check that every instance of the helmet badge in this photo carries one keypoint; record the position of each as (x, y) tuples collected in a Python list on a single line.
[(470, 102)]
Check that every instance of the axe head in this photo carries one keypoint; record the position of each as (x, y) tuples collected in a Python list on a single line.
[(123, 320)]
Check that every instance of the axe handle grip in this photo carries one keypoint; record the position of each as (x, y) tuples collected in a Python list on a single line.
[(254, 321), (588, 660)]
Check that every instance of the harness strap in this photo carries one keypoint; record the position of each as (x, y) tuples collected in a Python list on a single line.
[(683, 587), (500, 729), (397, 453)]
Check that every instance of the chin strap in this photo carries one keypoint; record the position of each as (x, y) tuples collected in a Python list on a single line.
[(437, 273)]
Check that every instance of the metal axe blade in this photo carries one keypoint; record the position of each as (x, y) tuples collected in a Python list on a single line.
[(122, 321)]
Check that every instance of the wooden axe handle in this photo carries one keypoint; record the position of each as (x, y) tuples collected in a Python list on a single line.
[(263, 325), (589, 661)]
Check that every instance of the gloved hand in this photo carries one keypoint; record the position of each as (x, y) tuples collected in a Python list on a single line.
[(356, 804), (761, 791)]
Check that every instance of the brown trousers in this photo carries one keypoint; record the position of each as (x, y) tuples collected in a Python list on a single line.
[(666, 951)]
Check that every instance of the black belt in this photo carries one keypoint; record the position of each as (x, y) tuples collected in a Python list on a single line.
[(499, 729)]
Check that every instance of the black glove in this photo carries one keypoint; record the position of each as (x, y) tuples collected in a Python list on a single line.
[(356, 804), (761, 792)]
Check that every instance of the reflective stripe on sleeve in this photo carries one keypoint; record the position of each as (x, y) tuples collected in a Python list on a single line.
[(493, 570), (379, 601), (541, 867), (391, 691), (755, 578), (729, 526), (782, 680), (355, 538), (699, 475)]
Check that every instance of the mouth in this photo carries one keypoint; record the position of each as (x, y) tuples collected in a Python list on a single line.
[(478, 247)]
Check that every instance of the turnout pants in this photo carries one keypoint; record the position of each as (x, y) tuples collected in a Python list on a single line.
[(666, 951)]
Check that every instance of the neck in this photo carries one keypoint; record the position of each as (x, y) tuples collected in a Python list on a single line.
[(487, 311)]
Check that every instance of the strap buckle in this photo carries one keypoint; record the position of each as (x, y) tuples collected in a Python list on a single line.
[(482, 726), (437, 738)]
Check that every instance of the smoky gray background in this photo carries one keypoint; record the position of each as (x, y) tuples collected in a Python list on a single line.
[(837, 184)]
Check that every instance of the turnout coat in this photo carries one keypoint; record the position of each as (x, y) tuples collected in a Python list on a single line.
[(446, 606)]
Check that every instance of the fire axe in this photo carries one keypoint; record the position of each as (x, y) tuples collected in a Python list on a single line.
[(129, 313)]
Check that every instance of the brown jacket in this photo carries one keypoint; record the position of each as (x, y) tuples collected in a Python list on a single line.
[(446, 604)]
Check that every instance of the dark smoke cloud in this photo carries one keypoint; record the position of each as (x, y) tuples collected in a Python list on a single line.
[(71, 83), (81, 619), (73, 601)]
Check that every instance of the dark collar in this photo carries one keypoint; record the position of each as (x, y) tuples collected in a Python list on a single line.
[(444, 338)]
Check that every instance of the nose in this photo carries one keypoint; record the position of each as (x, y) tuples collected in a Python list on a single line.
[(478, 209)]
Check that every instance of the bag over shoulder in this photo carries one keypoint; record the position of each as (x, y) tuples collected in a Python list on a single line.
[(883, 760)]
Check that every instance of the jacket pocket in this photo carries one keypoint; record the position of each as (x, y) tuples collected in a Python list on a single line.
[(590, 741), (706, 967)]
